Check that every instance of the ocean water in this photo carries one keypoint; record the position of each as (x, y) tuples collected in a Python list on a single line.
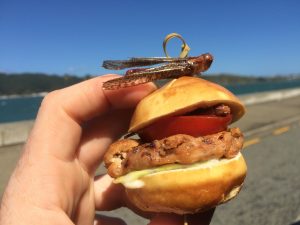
[(263, 86), (20, 108), (26, 108)]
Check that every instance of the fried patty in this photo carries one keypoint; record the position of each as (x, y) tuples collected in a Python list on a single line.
[(129, 155)]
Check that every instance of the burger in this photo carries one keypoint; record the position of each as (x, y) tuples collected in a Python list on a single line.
[(186, 159)]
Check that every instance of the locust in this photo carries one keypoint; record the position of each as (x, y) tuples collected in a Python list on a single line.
[(170, 68)]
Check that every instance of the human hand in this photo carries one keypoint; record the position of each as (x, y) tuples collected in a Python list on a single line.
[(54, 181)]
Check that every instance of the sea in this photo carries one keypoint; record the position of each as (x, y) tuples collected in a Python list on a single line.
[(18, 108)]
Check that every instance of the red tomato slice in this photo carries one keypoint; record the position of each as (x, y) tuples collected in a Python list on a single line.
[(192, 125)]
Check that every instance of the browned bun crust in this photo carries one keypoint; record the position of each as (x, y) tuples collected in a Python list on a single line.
[(180, 96), (190, 190)]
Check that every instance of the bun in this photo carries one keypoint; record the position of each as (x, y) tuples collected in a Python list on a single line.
[(183, 95), (190, 190)]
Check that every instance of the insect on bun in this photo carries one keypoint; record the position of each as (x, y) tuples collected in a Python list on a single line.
[(183, 95)]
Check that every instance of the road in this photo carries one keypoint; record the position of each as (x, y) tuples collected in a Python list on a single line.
[(271, 194)]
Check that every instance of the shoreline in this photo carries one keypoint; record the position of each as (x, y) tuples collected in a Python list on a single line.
[(14, 96), (229, 86), (268, 96), (17, 132), (247, 99)]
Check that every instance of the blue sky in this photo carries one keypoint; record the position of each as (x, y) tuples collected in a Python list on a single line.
[(255, 37)]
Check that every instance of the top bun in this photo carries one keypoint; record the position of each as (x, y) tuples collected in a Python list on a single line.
[(183, 95)]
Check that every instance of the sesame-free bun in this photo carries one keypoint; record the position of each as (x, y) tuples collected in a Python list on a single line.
[(180, 96), (186, 191)]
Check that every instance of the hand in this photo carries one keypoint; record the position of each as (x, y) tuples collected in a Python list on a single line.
[(54, 181)]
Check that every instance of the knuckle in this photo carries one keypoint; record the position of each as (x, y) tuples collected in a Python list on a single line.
[(51, 98)]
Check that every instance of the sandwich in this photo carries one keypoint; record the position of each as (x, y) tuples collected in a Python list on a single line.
[(186, 158)]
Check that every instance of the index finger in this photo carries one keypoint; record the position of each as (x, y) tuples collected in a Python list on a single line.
[(87, 99), (63, 112)]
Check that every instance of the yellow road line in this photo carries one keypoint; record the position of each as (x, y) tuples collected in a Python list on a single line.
[(251, 142), (281, 130)]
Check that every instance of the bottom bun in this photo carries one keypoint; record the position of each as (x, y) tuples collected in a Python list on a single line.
[(185, 191)]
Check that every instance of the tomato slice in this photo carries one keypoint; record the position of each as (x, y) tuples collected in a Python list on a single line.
[(196, 126)]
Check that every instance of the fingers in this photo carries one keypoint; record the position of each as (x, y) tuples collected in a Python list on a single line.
[(108, 196), (63, 113), (85, 100), (106, 220), (98, 135)]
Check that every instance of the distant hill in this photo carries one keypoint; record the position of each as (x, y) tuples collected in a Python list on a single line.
[(231, 79), (28, 83)]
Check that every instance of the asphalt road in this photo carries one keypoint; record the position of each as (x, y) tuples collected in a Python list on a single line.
[(271, 194)]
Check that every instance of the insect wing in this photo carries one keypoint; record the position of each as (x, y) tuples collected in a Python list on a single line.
[(137, 62), (161, 72), (171, 70)]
